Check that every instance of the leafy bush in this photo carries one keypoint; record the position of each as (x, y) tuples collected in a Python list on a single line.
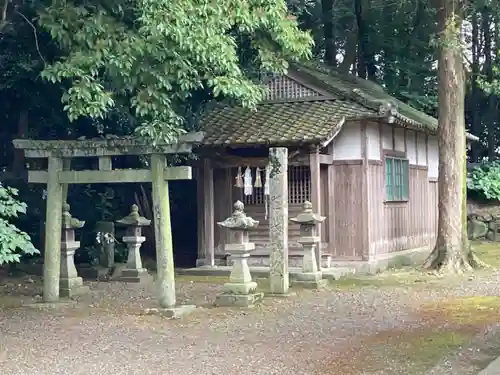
[(485, 179), (13, 242)]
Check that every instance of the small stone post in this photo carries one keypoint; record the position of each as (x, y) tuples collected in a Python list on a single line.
[(70, 284), (278, 221), (240, 290), (133, 271), (311, 276)]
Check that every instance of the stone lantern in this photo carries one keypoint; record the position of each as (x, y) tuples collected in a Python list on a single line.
[(133, 238), (70, 284), (240, 290), (311, 276)]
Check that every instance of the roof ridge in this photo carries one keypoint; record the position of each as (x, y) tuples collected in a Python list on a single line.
[(367, 93)]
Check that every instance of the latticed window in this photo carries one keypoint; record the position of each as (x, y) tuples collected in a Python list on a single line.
[(299, 187), (282, 87), (299, 184), (396, 179)]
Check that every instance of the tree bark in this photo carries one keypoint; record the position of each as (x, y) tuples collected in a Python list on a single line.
[(450, 253), (328, 32), (350, 49)]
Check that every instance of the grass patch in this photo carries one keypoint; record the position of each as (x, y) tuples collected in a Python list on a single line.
[(393, 352), (478, 310), (202, 279), (395, 278), (488, 252)]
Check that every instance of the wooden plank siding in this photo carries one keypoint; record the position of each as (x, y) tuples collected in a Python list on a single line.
[(347, 243), (396, 226)]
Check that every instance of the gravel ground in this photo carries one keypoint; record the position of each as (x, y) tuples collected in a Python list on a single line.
[(311, 333)]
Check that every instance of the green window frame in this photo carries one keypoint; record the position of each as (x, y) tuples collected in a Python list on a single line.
[(396, 179)]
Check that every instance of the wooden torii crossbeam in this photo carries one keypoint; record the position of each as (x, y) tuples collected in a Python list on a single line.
[(59, 175)]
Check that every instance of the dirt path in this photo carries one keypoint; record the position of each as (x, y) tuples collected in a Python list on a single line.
[(347, 330)]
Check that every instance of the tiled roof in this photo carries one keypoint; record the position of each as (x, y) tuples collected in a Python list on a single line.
[(363, 92), (368, 94), (311, 121), (279, 123)]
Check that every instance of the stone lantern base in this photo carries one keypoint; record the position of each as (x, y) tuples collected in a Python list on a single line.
[(241, 289), (239, 294), (132, 275), (133, 272), (310, 280), (73, 287)]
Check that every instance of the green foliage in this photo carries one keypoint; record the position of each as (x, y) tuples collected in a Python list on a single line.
[(485, 179), (155, 53), (13, 242)]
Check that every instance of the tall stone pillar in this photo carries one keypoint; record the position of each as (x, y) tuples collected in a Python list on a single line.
[(278, 221)]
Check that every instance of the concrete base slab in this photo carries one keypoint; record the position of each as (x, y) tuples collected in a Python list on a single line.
[(49, 305), (95, 273), (280, 295), (171, 312), (73, 292), (492, 369), (133, 276), (239, 300), (311, 284)]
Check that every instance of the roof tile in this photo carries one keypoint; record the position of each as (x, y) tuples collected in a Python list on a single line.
[(278, 123)]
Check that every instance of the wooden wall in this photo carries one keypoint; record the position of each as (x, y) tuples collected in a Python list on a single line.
[(347, 215), (396, 226)]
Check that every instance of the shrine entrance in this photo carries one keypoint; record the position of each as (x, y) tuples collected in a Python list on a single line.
[(59, 175)]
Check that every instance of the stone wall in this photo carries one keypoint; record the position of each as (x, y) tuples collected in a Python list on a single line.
[(483, 220)]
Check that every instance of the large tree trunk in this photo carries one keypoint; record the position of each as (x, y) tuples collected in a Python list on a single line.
[(450, 253), (328, 32)]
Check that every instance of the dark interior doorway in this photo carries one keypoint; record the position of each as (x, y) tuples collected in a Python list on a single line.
[(183, 210)]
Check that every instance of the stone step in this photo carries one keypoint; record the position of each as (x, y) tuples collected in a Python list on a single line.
[(262, 272)]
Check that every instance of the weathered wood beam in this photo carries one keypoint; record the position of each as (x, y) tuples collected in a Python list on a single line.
[(325, 159), (209, 212), (104, 147), (315, 168), (105, 163), (235, 161), (110, 177)]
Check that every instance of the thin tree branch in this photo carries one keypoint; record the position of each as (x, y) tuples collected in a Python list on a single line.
[(34, 34)]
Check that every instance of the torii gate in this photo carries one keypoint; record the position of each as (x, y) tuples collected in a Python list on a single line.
[(60, 153)]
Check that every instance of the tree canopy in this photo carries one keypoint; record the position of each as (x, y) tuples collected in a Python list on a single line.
[(149, 56)]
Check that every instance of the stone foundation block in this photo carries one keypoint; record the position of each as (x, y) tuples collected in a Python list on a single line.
[(172, 312), (133, 275), (310, 280), (72, 287), (238, 300)]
